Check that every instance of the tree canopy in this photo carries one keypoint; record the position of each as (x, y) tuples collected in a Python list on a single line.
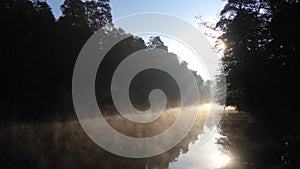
[(260, 59), (39, 53), (260, 66)]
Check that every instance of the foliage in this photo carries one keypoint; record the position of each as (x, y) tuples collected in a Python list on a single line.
[(260, 58), (260, 67), (38, 56)]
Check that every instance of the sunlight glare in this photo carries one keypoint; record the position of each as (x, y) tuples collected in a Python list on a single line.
[(206, 106), (230, 108), (222, 159), (220, 46)]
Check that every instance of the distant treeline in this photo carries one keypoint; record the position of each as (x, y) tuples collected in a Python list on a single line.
[(38, 54)]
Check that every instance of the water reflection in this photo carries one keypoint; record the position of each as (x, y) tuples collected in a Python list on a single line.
[(205, 153), (204, 156), (256, 143), (65, 145)]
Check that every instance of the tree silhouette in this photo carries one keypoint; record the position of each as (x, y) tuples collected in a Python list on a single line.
[(156, 43), (39, 54), (259, 61), (260, 67), (98, 13)]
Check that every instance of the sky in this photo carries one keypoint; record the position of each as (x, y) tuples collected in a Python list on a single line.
[(186, 10), (208, 9)]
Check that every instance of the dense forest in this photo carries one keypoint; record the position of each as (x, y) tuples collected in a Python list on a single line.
[(39, 53), (261, 66), (260, 60)]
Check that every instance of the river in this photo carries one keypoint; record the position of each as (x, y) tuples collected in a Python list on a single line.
[(65, 145)]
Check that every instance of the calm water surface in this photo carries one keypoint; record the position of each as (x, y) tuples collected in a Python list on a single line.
[(65, 145)]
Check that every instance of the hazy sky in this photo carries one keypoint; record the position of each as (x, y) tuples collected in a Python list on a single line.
[(186, 10)]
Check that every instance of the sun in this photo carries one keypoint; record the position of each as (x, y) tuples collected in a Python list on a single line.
[(222, 159), (220, 46)]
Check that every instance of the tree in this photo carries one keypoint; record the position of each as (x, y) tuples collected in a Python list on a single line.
[(38, 55), (98, 13), (156, 43), (73, 13), (244, 25), (261, 53), (260, 66)]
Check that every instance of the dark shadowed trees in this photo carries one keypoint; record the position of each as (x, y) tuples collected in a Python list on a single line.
[(260, 64), (39, 53), (261, 54), (98, 13)]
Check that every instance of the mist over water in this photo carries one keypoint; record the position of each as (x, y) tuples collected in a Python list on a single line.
[(65, 145)]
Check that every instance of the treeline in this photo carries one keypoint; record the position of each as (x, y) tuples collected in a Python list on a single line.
[(261, 59), (38, 54), (147, 80)]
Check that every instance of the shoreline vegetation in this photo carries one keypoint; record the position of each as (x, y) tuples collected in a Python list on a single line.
[(261, 65), (40, 52)]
